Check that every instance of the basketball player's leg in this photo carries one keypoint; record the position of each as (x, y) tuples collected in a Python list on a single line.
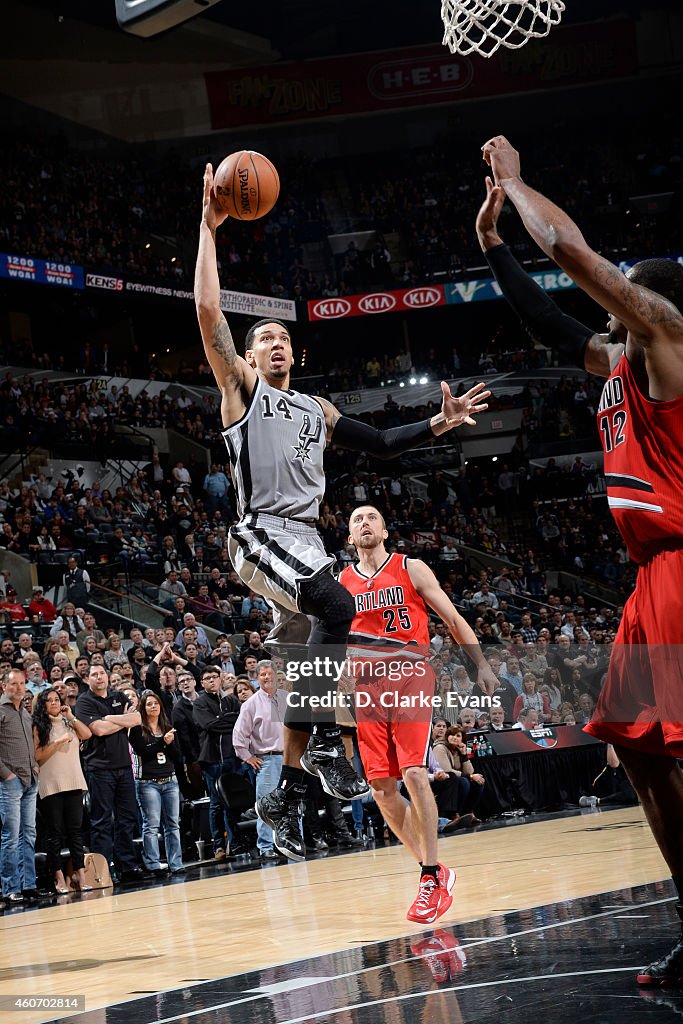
[(333, 607), (287, 564), (640, 711), (436, 880), (658, 781), (415, 823), (411, 740), (397, 813), (424, 812)]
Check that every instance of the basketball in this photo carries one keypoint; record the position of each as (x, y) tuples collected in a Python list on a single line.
[(246, 185)]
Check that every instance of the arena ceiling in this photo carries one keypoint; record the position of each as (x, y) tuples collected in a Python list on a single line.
[(62, 55), (286, 29)]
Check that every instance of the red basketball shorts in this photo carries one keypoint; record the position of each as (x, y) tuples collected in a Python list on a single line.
[(641, 702), (394, 707), (387, 748)]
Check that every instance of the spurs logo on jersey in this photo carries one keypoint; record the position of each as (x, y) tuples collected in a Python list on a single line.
[(307, 437), (276, 454)]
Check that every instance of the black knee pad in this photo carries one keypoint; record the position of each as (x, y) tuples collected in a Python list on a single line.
[(332, 605)]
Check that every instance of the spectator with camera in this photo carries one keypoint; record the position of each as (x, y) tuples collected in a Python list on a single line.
[(163, 665), (57, 734), (223, 656)]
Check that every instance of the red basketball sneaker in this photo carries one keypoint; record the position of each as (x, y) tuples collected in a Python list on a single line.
[(446, 879), (441, 953), (425, 907)]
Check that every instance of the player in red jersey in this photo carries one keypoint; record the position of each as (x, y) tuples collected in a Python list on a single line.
[(640, 420), (392, 595)]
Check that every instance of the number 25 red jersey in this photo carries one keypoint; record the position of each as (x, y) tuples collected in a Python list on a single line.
[(389, 610), (643, 444)]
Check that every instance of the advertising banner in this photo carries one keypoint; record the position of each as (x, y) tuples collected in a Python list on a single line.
[(416, 77), (516, 741), (377, 302), (231, 302), (487, 288), (28, 268)]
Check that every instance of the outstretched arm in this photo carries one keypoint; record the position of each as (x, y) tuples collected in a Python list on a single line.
[(387, 444), (573, 341), (644, 313), (233, 374), (427, 586)]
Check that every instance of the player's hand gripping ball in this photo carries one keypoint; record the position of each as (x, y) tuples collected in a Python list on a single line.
[(246, 185)]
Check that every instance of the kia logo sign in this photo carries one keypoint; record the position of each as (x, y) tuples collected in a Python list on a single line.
[(331, 309), (379, 302), (422, 297)]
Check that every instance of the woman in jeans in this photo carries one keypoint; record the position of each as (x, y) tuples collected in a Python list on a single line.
[(157, 754), (61, 784)]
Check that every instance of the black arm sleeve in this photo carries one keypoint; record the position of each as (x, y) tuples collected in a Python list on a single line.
[(383, 444), (537, 311)]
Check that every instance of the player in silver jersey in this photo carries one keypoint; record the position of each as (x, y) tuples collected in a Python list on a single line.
[(276, 439)]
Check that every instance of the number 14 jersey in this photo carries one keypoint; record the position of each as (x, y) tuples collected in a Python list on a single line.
[(276, 454)]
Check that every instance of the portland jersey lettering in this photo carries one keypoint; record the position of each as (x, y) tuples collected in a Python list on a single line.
[(643, 445), (389, 610)]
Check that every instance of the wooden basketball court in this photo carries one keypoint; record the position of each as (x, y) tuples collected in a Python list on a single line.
[(113, 948)]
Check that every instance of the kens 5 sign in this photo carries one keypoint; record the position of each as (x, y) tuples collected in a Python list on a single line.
[(377, 302)]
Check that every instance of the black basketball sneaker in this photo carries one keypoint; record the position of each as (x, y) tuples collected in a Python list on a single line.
[(327, 759), (284, 817), (668, 970)]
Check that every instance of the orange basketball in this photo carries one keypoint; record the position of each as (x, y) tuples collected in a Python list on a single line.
[(246, 185)]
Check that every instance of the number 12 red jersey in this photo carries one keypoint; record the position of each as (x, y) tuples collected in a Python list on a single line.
[(643, 444)]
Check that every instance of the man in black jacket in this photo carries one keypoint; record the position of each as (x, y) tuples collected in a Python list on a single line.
[(187, 734), (215, 718)]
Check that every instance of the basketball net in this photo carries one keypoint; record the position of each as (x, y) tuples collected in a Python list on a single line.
[(482, 26)]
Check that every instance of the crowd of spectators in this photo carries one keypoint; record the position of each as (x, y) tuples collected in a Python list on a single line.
[(109, 212), (500, 508)]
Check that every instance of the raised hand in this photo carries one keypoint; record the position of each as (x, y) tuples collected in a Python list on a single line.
[(212, 215), (502, 158), (487, 218), (455, 411), (487, 679)]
